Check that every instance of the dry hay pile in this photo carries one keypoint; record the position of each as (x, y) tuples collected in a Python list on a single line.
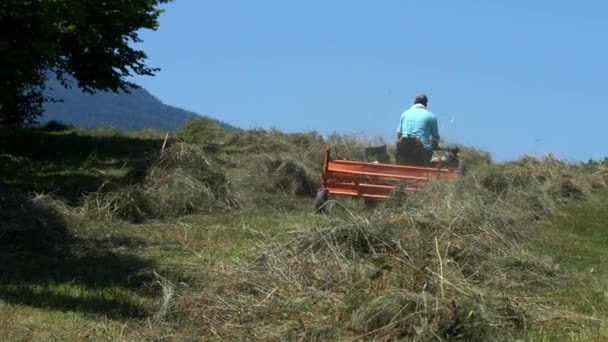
[(394, 274), (259, 141), (474, 157), (539, 184), (203, 131), (277, 181), (129, 203), (283, 174), (181, 181), (435, 266), (39, 222)]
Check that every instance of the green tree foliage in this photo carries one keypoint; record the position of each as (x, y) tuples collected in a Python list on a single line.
[(89, 40)]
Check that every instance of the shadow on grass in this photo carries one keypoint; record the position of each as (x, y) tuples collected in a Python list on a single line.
[(68, 187), (42, 266), (67, 164), (102, 283), (72, 148)]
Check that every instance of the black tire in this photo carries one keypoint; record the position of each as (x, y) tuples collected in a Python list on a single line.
[(320, 200), (462, 167)]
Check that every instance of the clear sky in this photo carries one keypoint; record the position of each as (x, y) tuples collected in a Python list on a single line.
[(510, 77)]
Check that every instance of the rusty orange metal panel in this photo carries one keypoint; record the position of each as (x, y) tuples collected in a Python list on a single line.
[(390, 170), (354, 193), (376, 175), (361, 190), (375, 180), (355, 178)]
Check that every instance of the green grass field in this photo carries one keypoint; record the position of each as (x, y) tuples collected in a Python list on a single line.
[(577, 241), (502, 255)]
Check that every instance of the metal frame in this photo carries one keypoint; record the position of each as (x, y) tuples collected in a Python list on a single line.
[(375, 180)]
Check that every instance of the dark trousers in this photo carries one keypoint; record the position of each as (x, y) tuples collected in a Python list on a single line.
[(410, 151)]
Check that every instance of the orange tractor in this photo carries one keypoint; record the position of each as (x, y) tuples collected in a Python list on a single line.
[(376, 180)]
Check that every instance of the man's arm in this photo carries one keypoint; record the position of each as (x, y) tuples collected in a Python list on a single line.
[(399, 128)]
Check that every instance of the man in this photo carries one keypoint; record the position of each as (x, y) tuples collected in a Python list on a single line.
[(417, 133)]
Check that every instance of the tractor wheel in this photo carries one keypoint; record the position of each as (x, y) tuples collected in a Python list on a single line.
[(320, 200), (462, 167)]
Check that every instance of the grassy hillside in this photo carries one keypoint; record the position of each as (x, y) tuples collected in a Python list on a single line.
[(107, 235)]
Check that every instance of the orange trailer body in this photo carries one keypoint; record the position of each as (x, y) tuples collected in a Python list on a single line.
[(375, 180)]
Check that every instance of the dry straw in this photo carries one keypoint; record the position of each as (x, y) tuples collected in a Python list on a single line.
[(432, 266)]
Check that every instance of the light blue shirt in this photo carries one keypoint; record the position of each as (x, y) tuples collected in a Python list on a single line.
[(420, 123)]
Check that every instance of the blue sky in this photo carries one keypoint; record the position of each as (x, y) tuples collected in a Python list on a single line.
[(509, 77)]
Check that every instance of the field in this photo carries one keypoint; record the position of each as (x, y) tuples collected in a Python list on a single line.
[(211, 236)]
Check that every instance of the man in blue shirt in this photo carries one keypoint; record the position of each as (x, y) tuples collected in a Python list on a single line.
[(417, 133)]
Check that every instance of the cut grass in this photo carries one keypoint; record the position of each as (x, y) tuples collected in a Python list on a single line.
[(187, 249), (454, 269), (69, 163), (101, 296), (577, 239)]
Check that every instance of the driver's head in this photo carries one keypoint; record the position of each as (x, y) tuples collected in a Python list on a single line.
[(421, 99)]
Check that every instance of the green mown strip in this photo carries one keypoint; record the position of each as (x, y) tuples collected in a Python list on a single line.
[(577, 239)]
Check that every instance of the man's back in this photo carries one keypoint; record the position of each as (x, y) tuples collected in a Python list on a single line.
[(420, 123)]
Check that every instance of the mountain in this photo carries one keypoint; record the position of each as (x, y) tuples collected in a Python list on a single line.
[(137, 110)]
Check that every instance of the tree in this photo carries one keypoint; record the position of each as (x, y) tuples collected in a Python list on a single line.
[(87, 40)]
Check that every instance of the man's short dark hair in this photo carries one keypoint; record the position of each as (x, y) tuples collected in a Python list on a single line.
[(421, 99)]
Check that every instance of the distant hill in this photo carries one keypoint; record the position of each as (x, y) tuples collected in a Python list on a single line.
[(137, 110)]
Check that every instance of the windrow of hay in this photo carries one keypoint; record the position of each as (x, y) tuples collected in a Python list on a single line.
[(543, 182), (392, 274), (181, 181), (185, 178), (130, 203), (474, 157), (277, 181), (234, 144), (437, 265), (202, 131), (38, 222)]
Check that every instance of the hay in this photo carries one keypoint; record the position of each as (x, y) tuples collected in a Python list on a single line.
[(71, 216), (430, 265), (181, 181), (351, 240), (130, 204), (184, 171), (277, 182), (177, 192), (427, 266), (202, 131), (474, 157), (392, 306), (419, 317), (283, 175), (186, 156), (39, 222), (259, 141), (537, 185)]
